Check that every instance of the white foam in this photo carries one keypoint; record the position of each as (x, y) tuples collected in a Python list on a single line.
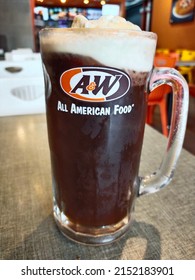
[(127, 49), (107, 21)]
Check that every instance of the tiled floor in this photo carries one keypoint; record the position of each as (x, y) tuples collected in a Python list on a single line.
[(189, 141)]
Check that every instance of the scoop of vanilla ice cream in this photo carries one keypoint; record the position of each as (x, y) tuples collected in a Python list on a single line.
[(108, 21), (110, 40)]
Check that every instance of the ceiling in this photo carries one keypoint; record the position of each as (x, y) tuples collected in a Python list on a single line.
[(75, 3)]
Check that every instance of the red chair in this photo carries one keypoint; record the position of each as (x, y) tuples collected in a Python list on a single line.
[(158, 97), (166, 60)]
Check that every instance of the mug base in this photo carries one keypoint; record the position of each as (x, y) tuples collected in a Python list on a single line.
[(93, 235)]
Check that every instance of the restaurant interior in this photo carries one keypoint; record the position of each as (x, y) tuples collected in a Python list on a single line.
[(164, 226), (20, 44)]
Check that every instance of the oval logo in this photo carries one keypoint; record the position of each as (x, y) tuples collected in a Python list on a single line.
[(95, 84)]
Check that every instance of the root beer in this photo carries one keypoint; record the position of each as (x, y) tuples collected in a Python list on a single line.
[(95, 157)]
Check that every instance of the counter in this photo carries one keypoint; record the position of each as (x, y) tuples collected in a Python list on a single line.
[(164, 222)]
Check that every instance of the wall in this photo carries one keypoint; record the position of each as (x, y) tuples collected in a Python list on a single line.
[(171, 36), (133, 13), (16, 23)]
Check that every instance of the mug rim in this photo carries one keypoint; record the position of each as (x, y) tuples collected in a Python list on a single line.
[(56, 30)]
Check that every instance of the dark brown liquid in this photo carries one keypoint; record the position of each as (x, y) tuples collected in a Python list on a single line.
[(95, 159)]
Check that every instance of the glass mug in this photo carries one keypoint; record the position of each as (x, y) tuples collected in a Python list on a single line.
[(96, 87)]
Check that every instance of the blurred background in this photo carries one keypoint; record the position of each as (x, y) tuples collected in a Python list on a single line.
[(21, 19)]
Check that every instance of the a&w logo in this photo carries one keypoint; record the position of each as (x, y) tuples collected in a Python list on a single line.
[(95, 84)]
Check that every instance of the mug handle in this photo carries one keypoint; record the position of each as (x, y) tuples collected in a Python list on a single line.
[(162, 176)]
